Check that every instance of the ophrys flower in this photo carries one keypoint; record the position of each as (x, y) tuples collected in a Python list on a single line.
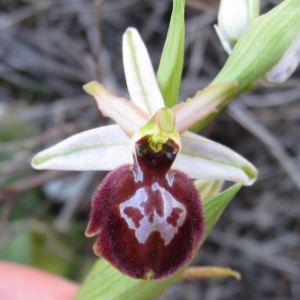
[(148, 215)]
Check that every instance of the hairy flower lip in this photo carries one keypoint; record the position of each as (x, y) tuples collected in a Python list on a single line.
[(147, 213)]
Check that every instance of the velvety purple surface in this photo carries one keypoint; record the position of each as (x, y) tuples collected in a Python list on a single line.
[(118, 243)]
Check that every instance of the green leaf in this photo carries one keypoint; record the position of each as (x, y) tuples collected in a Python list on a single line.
[(171, 62), (260, 47), (104, 282), (214, 207)]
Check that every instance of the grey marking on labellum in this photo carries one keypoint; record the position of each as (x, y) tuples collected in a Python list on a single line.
[(160, 223)]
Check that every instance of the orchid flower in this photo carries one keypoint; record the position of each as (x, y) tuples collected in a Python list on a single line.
[(147, 211)]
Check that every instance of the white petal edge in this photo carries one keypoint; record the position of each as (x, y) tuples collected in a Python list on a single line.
[(140, 77), (203, 158), (103, 148)]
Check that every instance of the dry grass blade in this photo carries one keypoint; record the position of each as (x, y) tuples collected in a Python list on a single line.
[(243, 117)]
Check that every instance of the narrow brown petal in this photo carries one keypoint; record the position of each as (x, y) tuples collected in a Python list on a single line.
[(125, 113), (203, 104)]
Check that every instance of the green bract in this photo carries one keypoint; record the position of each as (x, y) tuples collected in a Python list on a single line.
[(260, 47)]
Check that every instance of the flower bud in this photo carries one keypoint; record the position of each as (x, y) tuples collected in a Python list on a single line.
[(233, 19), (262, 45), (286, 65)]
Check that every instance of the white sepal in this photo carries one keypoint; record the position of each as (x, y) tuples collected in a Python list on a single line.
[(140, 77), (103, 148), (203, 158)]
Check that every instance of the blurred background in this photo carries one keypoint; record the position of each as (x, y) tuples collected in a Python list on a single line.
[(48, 50)]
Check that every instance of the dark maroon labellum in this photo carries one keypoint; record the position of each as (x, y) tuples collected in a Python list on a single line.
[(148, 216)]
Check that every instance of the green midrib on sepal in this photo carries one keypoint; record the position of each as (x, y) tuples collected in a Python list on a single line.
[(42, 158), (138, 70), (251, 173)]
